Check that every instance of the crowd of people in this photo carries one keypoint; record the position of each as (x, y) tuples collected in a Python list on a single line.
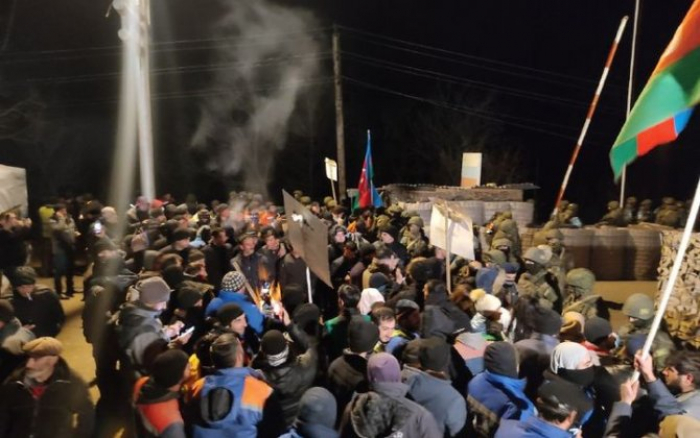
[(204, 322)]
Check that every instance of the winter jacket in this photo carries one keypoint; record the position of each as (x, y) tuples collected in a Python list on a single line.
[(64, 410), (346, 375), (217, 258), (668, 404), (290, 380), (62, 235), (43, 310), (534, 354), (440, 398), (310, 431), (533, 427), (233, 402), (12, 337), (493, 397), (386, 412), (252, 313), (137, 328), (336, 338), (158, 410), (460, 319)]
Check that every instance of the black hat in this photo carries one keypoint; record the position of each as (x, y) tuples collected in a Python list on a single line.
[(560, 391), (362, 335), (306, 316), (181, 234), (434, 354), (169, 367), (390, 230), (597, 329), (228, 312), (7, 312), (318, 406), (501, 358), (273, 343), (547, 321), (188, 296), (378, 281), (292, 296), (23, 276)]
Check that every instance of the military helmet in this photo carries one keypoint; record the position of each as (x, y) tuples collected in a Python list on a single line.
[(536, 255), (647, 203), (306, 200), (639, 306), (501, 241), (495, 256), (554, 233), (581, 278), (612, 205), (394, 210), (667, 200), (416, 220)]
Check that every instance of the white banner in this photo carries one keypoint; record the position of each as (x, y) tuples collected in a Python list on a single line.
[(459, 232), (331, 169), (13, 188)]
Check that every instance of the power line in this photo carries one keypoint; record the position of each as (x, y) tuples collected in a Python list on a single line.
[(359, 35), (459, 80), (197, 68), (457, 109)]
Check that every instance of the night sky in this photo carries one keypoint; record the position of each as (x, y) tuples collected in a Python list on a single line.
[(520, 73)]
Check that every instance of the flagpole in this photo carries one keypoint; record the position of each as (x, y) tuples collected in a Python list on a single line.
[(673, 276), (369, 180), (591, 111), (623, 180)]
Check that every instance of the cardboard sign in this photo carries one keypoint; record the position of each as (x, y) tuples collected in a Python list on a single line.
[(458, 230), (13, 188), (471, 169), (331, 169), (309, 236)]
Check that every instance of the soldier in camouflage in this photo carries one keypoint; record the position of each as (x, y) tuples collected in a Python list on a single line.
[(579, 296), (639, 308), (534, 282), (645, 213), (614, 217), (630, 210)]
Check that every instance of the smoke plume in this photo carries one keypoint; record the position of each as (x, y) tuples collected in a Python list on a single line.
[(271, 54)]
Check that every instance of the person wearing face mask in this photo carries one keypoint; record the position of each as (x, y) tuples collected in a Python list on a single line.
[(571, 362), (534, 281), (561, 408), (678, 393), (639, 308)]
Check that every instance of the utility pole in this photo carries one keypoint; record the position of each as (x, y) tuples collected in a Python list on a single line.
[(339, 119)]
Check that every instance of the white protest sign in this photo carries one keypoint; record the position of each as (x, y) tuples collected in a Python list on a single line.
[(331, 169), (459, 230)]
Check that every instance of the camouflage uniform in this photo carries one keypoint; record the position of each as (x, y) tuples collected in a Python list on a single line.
[(614, 217), (579, 297), (534, 282), (644, 214), (641, 308)]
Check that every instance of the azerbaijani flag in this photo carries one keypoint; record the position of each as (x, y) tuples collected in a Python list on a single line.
[(368, 194), (665, 105)]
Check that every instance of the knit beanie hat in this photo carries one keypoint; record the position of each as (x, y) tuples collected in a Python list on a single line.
[(318, 406), (275, 347), (390, 230), (292, 296), (383, 367), (307, 316), (597, 329), (169, 367), (368, 298), (501, 358), (228, 312), (567, 355), (434, 354), (153, 290), (484, 302), (7, 312), (362, 335), (24, 275), (572, 326), (188, 297), (547, 321), (233, 281)]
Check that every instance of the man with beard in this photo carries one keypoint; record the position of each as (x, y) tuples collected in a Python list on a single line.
[(680, 393)]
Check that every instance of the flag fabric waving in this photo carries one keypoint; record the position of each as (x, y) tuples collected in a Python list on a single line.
[(665, 105), (368, 194)]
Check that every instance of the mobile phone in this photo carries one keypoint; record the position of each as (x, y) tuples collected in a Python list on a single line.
[(187, 332)]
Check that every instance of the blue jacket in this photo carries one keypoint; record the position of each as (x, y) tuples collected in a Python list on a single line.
[(533, 427), (439, 397), (252, 313), (249, 395), (310, 431), (493, 397)]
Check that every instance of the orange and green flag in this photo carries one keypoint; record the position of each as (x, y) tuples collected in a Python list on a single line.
[(666, 103)]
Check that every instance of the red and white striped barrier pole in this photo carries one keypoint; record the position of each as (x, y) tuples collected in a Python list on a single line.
[(591, 111)]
